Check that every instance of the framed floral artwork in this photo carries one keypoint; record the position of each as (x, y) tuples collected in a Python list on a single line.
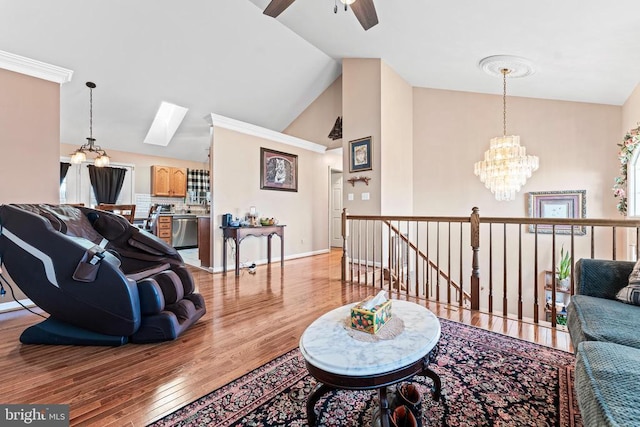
[(558, 204), (278, 170), (360, 155)]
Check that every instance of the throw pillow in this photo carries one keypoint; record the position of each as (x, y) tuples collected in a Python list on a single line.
[(630, 294)]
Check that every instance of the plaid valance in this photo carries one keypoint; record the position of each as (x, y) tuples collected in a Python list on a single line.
[(197, 180)]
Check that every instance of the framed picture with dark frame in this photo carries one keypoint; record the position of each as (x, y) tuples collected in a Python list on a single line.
[(360, 155), (278, 170), (558, 204)]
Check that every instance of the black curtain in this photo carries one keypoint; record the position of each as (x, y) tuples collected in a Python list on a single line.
[(64, 168), (106, 183)]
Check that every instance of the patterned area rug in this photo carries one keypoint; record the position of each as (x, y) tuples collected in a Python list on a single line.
[(487, 380)]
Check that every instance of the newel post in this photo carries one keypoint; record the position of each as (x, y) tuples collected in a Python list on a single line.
[(475, 266), (345, 234)]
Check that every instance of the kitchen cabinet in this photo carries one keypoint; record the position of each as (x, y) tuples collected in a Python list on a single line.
[(163, 229), (204, 240), (168, 181)]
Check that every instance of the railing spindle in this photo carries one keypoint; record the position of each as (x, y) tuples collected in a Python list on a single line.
[(504, 270), (520, 273)]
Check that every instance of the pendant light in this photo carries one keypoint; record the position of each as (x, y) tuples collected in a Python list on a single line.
[(80, 155)]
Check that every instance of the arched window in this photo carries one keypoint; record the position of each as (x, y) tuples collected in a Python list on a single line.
[(633, 185), (627, 184)]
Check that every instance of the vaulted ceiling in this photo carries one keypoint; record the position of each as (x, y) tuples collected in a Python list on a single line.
[(226, 57)]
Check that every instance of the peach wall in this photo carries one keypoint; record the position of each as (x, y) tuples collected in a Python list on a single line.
[(142, 164), (236, 187), (361, 108), (574, 141), (631, 112), (317, 120), (396, 144), (29, 139)]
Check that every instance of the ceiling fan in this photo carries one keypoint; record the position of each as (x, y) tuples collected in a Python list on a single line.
[(364, 10)]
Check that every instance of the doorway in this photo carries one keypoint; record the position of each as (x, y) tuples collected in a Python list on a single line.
[(335, 208)]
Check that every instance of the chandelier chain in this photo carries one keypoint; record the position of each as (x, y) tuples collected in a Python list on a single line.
[(504, 101), (91, 113)]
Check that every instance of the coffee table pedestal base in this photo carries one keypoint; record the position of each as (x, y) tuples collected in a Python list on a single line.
[(329, 382)]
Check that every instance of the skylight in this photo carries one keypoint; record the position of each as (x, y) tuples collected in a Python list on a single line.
[(165, 124)]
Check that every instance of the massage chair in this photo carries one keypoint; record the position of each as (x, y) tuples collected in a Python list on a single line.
[(102, 280)]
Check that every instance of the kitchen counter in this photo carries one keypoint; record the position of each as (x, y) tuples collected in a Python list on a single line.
[(178, 230), (178, 216)]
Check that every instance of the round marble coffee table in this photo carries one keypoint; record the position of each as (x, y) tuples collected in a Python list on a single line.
[(337, 360)]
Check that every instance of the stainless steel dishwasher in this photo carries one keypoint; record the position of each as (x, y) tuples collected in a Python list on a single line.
[(184, 231)]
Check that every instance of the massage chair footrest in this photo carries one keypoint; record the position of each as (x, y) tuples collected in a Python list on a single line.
[(171, 322)]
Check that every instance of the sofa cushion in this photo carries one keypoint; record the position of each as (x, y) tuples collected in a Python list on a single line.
[(601, 278), (599, 319), (634, 277), (630, 294), (607, 384)]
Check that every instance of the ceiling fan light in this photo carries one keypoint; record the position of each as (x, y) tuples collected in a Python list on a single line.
[(348, 2)]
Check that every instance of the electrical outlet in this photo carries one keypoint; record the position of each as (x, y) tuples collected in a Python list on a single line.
[(365, 196)]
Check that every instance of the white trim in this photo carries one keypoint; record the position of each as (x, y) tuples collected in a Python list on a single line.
[(274, 260), (249, 129), (34, 68), (12, 305)]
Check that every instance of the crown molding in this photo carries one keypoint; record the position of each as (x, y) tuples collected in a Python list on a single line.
[(249, 129), (33, 68)]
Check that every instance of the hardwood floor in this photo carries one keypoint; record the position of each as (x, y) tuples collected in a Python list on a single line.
[(250, 320)]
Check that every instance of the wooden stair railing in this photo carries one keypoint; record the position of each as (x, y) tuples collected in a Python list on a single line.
[(466, 297)]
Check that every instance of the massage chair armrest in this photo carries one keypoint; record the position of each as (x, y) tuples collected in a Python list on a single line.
[(151, 244), (601, 278)]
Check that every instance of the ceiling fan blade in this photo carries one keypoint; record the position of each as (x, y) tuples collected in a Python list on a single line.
[(276, 7), (365, 11)]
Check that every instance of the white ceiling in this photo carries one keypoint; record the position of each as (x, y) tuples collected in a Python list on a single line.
[(226, 57)]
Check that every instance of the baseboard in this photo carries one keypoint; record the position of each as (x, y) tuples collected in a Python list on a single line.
[(12, 305), (274, 260)]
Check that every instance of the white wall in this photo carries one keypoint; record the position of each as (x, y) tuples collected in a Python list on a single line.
[(236, 187)]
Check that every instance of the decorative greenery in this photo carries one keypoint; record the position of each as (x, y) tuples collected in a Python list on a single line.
[(627, 147), (564, 266), (561, 319)]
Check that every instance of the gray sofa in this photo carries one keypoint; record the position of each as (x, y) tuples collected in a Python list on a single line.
[(606, 337)]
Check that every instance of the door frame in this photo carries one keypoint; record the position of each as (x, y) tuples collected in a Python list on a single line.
[(332, 171)]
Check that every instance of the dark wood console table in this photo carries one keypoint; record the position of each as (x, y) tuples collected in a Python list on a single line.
[(239, 233)]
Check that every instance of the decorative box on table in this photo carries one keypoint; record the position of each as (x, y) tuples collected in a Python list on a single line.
[(370, 320)]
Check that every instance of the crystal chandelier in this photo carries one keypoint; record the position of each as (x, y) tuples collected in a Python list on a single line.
[(506, 165), (80, 155)]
